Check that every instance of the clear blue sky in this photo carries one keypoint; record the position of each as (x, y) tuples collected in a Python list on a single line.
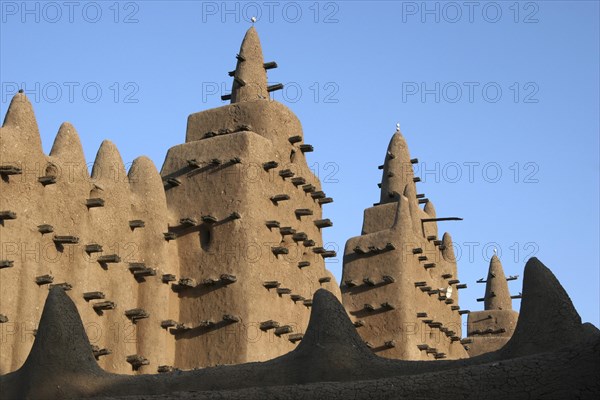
[(483, 89)]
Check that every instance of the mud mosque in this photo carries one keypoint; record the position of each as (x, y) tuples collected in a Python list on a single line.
[(208, 280)]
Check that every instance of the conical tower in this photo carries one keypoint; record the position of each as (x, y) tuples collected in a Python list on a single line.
[(250, 76), (246, 214), (491, 329), (399, 283)]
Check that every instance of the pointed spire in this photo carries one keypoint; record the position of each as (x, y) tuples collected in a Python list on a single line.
[(250, 77), (20, 113), (20, 116), (403, 222), (397, 169), (108, 165), (61, 356), (430, 209), (448, 249), (67, 145), (547, 320), (431, 228), (329, 334), (61, 342), (145, 181), (410, 194), (497, 296)]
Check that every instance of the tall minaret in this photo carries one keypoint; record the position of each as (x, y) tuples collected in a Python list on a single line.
[(399, 278), (247, 219), (492, 328), (497, 296), (250, 76)]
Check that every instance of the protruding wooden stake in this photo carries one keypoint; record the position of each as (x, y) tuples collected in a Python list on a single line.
[(228, 279), (94, 202), (8, 170), (323, 223), (299, 237), (306, 148), (329, 254), (170, 236), (109, 258), (136, 314), (188, 221), (295, 139), (209, 281), (173, 181), (297, 181), (286, 230), (98, 352), (103, 306), (165, 369), (93, 248), (47, 180), (282, 330), (271, 284), (279, 250), (44, 279), (281, 291), (297, 297), (208, 219), (87, 296), (65, 239), (270, 324), (308, 188), (272, 224), (45, 228), (137, 361), (302, 212), (137, 223), (318, 195), (279, 197), (187, 282), (368, 281), (270, 165), (286, 173), (230, 318), (295, 337), (272, 88)]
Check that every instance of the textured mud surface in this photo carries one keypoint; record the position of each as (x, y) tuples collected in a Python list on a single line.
[(551, 355)]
